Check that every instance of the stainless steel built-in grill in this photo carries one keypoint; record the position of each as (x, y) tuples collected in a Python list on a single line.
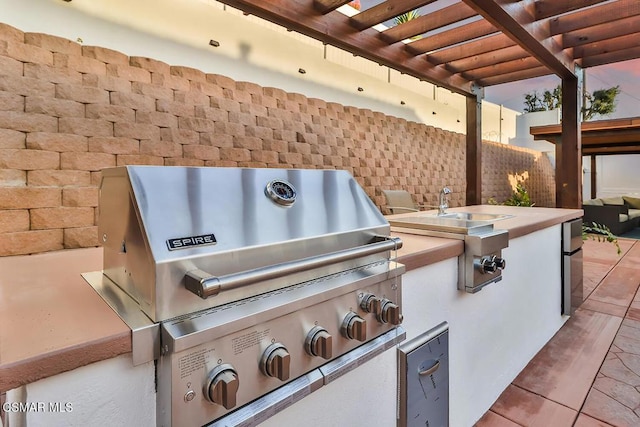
[(246, 284)]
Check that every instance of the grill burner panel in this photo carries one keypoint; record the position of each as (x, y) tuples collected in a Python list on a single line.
[(241, 334)]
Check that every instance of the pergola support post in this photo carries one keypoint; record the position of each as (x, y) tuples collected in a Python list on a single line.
[(593, 176), (569, 148), (474, 151)]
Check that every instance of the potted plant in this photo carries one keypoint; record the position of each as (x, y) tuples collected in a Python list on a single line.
[(599, 232)]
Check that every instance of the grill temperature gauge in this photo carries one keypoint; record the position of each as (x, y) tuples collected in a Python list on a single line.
[(281, 192)]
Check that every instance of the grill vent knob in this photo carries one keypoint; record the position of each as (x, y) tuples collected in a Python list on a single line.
[(222, 386), (354, 327), (319, 343), (276, 361)]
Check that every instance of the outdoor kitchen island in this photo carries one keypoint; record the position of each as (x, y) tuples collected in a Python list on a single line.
[(62, 344)]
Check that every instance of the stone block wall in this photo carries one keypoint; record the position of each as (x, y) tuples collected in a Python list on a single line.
[(67, 111), (503, 166)]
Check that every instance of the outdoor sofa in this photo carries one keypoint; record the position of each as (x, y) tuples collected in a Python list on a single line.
[(620, 214)]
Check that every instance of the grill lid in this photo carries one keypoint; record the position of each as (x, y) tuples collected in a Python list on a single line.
[(158, 223)]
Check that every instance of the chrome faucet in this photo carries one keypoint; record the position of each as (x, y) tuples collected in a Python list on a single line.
[(443, 205)]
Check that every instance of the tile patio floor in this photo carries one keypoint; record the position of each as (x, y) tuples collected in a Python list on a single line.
[(588, 374)]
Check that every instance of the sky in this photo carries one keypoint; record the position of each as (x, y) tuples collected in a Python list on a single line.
[(624, 74)]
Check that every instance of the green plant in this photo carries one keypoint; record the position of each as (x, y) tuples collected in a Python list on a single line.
[(599, 103), (601, 233), (520, 197), (594, 231), (406, 17)]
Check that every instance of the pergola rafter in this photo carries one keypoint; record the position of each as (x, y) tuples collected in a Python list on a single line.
[(472, 44)]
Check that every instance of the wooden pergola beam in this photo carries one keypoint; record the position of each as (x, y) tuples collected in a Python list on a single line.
[(326, 6), (487, 59), (556, 33), (477, 47), (433, 21), (605, 13), (601, 32), (335, 29), (451, 37), (515, 76), (385, 11), (611, 57), (605, 151), (517, 65), (597, 134), (516, 21), (548, 8)]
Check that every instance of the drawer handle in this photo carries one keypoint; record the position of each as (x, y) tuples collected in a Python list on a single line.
[(430, 370)]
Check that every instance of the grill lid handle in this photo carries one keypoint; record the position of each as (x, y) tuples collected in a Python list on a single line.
[(206, 285)]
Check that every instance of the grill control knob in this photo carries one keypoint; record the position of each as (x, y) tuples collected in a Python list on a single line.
[(389, 313), (275, 362), (500, 262), (487, 265), (222, 386), (354, 327), (318, 342), (370, 303)]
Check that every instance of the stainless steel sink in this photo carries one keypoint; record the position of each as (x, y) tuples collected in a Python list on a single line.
[(475, 216), (437, 225), (452, 223)]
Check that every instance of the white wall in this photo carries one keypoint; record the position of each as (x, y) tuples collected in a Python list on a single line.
[(616, 175), (494, 333), (108, 393), (178, 33), (524, 138), (498, 123)]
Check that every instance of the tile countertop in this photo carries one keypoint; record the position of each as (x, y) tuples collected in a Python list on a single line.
[(525, 220), (52, 321)]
